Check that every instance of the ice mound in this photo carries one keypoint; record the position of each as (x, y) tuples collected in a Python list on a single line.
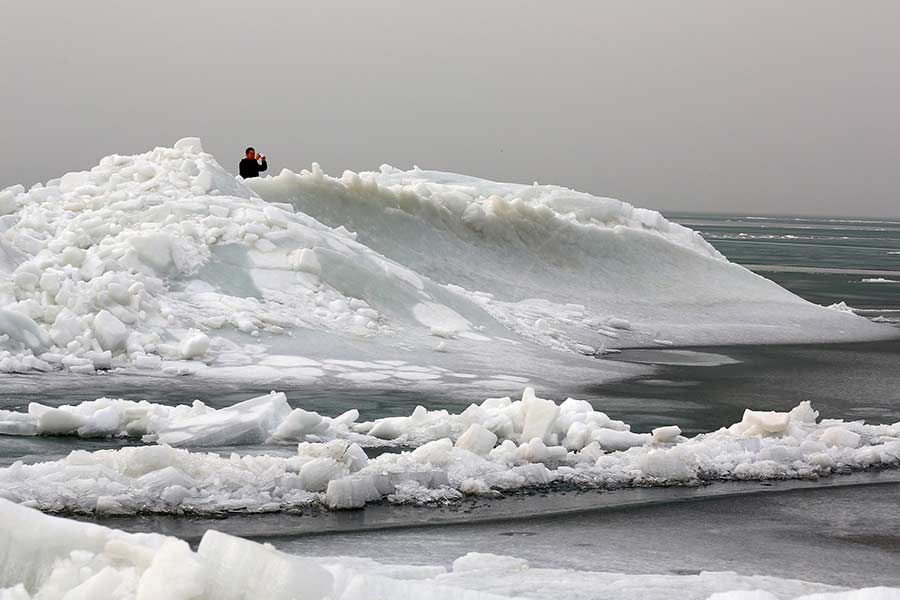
[(49, 558), (562, 268), (492, 447), (165, 261), (149, 261)]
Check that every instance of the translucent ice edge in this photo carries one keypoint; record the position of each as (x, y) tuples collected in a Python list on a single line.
[(497, 446)]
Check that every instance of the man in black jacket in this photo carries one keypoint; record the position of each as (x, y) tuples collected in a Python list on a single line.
[(249, 166)]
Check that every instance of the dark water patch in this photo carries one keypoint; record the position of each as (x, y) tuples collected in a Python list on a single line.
[(847, 245), (850, 381), (791, 533)]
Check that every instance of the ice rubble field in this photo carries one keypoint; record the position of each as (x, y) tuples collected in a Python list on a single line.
[(49, 558), (498, 446), (165, 262)]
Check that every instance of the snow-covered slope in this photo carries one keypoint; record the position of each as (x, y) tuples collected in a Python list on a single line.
[(166, 261), (48, 558)]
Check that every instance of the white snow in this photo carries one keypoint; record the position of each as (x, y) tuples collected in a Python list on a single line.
[(497, 445), (165, 261), (50, 558)]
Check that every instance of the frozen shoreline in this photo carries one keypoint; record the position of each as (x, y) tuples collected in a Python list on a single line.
[(53, 557)]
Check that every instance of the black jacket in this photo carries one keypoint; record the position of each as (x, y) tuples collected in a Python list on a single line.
[(251, 168)]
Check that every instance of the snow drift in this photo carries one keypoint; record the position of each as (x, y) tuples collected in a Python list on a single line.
[(165, 261), (492, 447), (51, 558)]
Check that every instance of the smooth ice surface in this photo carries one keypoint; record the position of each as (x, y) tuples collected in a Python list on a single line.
[(165, 262), (562, 268), (498, 445), (49, 558)]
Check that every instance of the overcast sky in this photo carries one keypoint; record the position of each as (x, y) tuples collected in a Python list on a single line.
[(750, 107)]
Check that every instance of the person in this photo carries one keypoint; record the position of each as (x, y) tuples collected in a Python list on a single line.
[(250, 167)]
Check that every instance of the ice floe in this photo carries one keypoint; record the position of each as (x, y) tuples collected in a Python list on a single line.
[(492, 447)]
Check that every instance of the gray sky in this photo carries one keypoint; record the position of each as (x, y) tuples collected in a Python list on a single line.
[(753, 106)]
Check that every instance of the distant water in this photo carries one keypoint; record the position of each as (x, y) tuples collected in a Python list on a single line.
[(825, 261)]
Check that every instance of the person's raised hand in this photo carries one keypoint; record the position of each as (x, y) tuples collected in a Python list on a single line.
[(262, 157)]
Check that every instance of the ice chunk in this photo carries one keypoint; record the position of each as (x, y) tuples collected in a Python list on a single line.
[(146, 361), (8, 202), (610, 439), (668, 465), (389, 428), (305, 259), (109, 331), (97, 586), (55, 421), (102, 422), (540, 416), (240, 569), (175, 573), (23, 329), (494, 563), (195, 345), (840, 436), (13, 423), (477, 439), (154, 251), (436, 452), (535, 451), (161, 479), (316, 474), (66, 327), (299, 424), (30, 543), (189, 144), (761, 423), (666, 434), (248, 422), (577, 436), (351, 492), (804, 413)]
